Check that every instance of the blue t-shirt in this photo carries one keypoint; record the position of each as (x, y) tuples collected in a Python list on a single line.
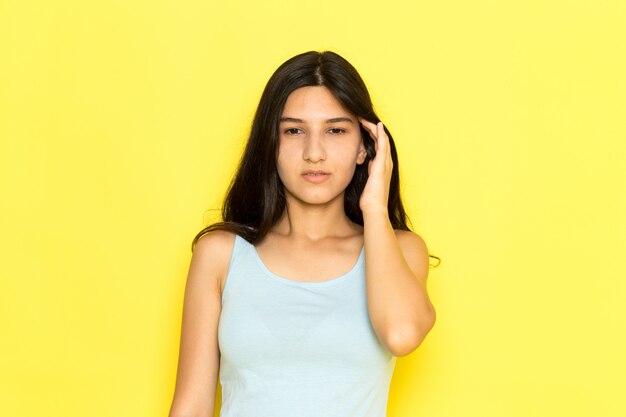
[(298, 349)]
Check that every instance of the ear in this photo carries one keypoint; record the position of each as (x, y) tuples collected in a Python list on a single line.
[(362, 154)]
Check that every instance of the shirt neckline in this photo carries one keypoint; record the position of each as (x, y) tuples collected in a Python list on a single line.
[(293, 282)]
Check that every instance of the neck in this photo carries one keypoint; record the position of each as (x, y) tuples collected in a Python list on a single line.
[(314, 222)]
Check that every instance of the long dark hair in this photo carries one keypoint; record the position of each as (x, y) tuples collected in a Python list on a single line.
[(255, 199)]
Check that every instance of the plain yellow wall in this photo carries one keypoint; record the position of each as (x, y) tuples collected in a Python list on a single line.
[(121, 123)]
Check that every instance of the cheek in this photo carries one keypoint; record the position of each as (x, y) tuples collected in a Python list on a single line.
[(344, 154), (286, 160)]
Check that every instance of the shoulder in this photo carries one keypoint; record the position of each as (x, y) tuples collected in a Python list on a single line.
[(220, 241), (212, 253), (415, 252), (411, 241)]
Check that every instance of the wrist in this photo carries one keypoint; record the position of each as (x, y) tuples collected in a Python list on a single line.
[(375, 212)]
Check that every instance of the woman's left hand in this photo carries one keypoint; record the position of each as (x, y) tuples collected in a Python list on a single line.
[(375, 195)]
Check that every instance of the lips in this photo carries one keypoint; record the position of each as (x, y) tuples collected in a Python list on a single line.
[(315, 172), (315, 175)]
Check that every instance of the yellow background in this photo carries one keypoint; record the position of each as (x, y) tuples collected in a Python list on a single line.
[(121, 123)]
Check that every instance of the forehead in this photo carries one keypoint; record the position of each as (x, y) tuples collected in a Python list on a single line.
[(313, 102)]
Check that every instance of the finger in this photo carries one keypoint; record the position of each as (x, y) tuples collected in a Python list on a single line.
[(384, 140), (367, 124), (385, 143), (370, 127), (365, 121), (384, 137)]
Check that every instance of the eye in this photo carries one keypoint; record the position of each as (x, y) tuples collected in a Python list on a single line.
[(292, 131), (337, 131)]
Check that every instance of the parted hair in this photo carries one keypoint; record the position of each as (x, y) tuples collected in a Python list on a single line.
[(255, 199)]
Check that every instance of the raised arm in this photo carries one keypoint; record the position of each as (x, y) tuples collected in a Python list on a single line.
[(396, 262)]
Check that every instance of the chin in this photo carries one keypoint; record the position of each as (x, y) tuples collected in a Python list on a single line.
[(317, 199)]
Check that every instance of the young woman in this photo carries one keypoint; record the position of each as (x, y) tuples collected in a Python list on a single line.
[(304, 296)]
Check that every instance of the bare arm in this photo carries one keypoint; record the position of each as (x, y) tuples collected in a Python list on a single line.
[(396, 265), (396, 262), (198, 362)]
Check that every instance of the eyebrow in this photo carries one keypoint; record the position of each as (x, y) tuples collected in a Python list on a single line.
[(333, 120)]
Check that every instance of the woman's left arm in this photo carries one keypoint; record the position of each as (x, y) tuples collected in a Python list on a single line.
[(396, 262), (396, 267)]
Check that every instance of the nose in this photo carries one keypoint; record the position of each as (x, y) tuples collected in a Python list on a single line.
[(314, 148)]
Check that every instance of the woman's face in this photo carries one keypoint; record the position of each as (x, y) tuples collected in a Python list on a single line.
[(317, 134)]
